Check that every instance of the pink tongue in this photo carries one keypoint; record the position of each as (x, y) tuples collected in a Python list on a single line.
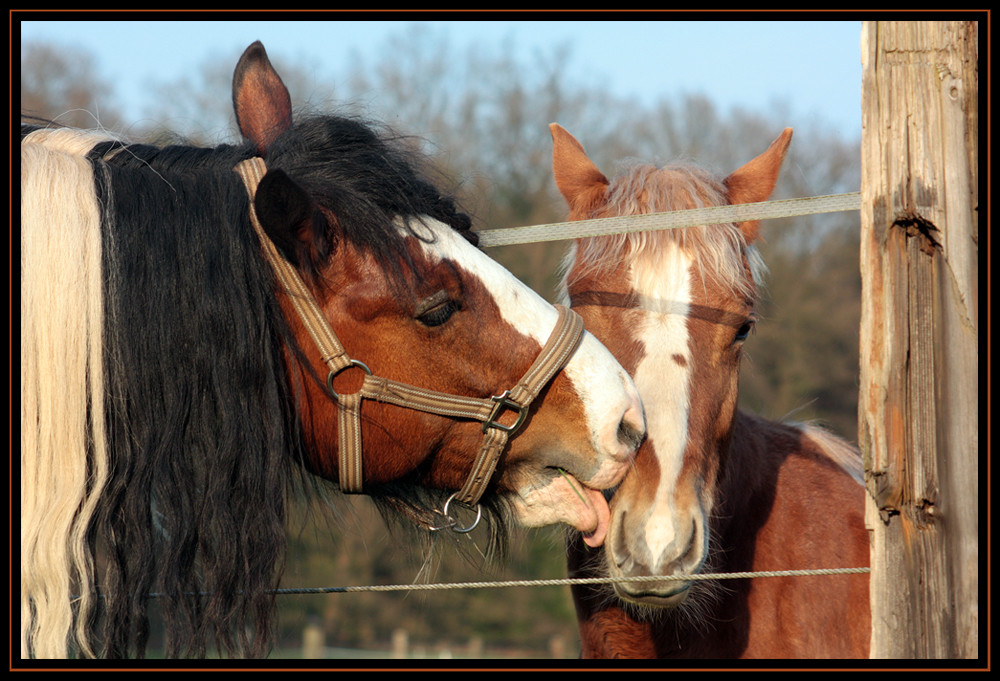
[(600, 506)]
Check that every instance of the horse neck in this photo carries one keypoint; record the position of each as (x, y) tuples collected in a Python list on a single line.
[(754, 472), (747, 466)]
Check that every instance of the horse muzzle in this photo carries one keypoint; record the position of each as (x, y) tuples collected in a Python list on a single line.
[(632, 552)]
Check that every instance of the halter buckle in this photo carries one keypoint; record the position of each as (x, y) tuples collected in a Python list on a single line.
[(504, 402)]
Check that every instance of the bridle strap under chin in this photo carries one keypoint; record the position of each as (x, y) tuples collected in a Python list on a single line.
[(560, 346)]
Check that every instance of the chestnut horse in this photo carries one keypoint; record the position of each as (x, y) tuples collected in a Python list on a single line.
[(714, 489), (194, 326)]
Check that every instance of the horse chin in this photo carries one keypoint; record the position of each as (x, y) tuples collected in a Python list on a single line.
[(650, 594)]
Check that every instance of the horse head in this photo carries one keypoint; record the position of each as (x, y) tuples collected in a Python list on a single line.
[(675, 308), (398, 277)]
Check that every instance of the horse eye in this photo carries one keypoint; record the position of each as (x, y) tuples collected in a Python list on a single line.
[(439, 315), (436, 310), (744, 331)]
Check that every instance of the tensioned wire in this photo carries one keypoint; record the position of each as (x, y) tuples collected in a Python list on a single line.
[(565, 581), (572, 580), (764, 210)]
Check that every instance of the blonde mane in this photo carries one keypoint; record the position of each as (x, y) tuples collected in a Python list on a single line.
[(642, 189), (62, 390)]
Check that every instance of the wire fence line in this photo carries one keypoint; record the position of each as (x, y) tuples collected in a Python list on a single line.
[(569, 581), (764, 210), (564, 581)]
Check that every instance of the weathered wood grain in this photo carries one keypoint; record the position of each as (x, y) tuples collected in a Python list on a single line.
[(919, 373)]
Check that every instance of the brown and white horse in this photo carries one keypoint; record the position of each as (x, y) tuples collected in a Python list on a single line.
[(171, 395), (713, 488)]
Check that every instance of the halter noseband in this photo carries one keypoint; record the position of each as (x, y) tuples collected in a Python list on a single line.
[(557, 351)]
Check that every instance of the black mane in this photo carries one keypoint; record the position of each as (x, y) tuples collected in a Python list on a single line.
[(366, 179)]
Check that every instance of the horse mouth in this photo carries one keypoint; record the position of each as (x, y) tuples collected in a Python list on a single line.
[(669, 595), (561, 497)]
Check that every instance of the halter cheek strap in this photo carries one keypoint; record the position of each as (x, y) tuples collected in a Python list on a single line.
[(557, 351)]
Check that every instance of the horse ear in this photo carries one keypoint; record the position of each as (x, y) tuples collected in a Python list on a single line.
[(260, 99), (755, 181), (580, 182), (291, 219)]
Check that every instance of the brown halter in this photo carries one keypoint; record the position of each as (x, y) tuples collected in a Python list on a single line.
[(557, 351)]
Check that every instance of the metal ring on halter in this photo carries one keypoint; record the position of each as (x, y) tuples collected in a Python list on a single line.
[(354, 363), (454, 526)]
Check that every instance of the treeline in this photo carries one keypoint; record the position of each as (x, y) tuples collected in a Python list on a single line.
[(483, 120)]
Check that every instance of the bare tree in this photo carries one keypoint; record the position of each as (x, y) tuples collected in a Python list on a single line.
[(198, 107), (61, 84)]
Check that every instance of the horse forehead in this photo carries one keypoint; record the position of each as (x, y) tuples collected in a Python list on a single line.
[(519, 305), (661, 279)]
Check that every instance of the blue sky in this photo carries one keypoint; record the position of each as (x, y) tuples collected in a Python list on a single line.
[(812, 68)]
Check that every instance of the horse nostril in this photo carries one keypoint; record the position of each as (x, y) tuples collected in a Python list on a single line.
[(630, 436), (632, 427), (619, 544)]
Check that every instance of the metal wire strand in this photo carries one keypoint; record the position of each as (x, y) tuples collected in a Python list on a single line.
[(568, 581), (764, 210)]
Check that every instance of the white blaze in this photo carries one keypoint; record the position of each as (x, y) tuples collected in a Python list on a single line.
[(663, 378)]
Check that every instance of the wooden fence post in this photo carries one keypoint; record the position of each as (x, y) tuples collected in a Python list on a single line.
[(919, 394), (313, 641)]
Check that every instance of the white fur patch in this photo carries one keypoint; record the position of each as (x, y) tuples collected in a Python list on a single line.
[(663, 378), (594, 372)]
